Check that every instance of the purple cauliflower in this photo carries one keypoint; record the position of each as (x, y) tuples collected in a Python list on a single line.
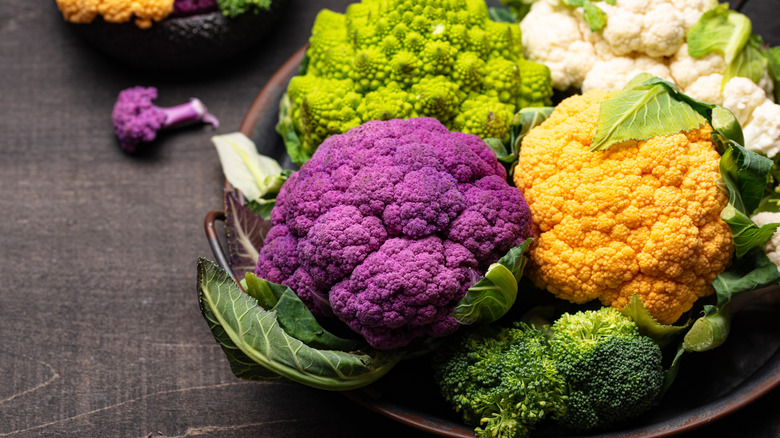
[(385, 224), (137, 119), (183, 8)]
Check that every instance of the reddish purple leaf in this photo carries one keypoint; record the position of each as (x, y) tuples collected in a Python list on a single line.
[(245, 231)]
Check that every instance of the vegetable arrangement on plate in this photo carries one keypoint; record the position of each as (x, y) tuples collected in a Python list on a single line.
[(551, 264)]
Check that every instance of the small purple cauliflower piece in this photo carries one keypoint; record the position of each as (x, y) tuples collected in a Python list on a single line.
[(137, 119), (384, 227)]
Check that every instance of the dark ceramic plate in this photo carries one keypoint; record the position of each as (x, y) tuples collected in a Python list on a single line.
[(180, 43), (709, 385)]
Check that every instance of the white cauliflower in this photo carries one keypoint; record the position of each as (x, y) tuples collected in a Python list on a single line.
[(556, 35), (616, 72), (756, 113), (772, 246), (556, 39), (646, 36)]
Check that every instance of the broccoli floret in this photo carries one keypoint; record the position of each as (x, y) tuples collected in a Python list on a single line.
[(613, 373), (440, 52), (501, 380)]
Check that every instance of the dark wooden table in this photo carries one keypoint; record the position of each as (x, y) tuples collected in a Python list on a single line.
[(100, 327)]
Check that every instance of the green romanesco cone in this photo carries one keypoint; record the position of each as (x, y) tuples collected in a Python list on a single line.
[(535, 86), (446, 57)]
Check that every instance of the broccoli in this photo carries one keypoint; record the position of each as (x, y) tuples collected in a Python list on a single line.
[(386, 59), (137, 119), (501, 380), (234, 8), (613, 373)]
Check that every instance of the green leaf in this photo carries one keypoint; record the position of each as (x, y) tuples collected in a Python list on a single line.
[(744, 232), (497, 146), (643, 109), (662, 334), (744, 173), (709, 331), (241, 365), (501, 15), (594, 16), (288, 130), (262, 207), (773, 63), (719, 30), (245, 326), (251, 173), (259, 290), (726, 127), (751, 272), (492, 296), (750, 62), (293, 316)]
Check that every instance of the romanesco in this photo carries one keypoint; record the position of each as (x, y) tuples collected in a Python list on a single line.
[(445, 57)]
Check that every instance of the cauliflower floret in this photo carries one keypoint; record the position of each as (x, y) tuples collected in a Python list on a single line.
[(655, 29), (772, 246), (706, 88), (687, 69), (617, 72), (551, 36), (741, 96), (758, 115), (762, 134)]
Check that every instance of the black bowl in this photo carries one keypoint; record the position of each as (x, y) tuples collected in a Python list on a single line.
[(179, 43)]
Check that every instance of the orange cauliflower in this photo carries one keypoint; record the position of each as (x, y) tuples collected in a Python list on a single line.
[(640, 218), (116, 11)]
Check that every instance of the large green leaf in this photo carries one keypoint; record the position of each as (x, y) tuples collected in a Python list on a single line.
[(744, 232), (773, 63), (751, 62), (491, 297), (751, 272), (293, 316), (719, 30), (745, 174), (239, 323), (645, 108)]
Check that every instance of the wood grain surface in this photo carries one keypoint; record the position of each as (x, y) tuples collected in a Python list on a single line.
[(99, 320)]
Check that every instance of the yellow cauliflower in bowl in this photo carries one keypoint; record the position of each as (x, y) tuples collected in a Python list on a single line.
[(642, 217)]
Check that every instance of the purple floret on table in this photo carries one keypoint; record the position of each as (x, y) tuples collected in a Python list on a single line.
[(385, 225), (137, 119)]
